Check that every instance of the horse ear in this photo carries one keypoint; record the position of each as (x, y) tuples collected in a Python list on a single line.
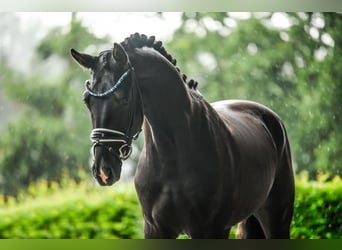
[(119, 54), (84, 60)]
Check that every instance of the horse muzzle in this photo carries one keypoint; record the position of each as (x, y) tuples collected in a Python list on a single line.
[(110, 148), (106, 169)]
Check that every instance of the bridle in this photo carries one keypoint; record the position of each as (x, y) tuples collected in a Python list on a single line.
[(104, 137)]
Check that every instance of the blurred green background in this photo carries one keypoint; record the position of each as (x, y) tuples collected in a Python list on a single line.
[(290, 62)]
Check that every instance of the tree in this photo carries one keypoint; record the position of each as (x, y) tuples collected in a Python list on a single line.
[(52, 132)]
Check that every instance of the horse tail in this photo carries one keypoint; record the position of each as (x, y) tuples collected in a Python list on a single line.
[(277, 130)]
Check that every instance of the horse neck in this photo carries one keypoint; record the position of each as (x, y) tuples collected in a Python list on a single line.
[(172, 117), (165, 97)]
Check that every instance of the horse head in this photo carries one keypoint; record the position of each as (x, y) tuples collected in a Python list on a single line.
[(113, 100)]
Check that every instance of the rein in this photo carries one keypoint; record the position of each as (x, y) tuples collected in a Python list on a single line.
[(104, 136)]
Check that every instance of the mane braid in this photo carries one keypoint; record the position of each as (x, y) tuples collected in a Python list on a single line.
[(140, 40)]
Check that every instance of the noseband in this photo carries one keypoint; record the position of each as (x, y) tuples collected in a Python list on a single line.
[(104, 137)]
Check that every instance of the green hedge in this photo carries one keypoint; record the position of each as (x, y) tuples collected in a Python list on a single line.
[(318, 208), (84, 210), (77, 212)]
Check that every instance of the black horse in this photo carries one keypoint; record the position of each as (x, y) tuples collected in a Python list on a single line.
[(204, 167)]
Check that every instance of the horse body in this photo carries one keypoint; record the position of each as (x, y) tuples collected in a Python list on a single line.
[(204, 167), (219, 178)]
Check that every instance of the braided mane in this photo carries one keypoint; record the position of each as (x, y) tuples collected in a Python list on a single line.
[(140, 40)]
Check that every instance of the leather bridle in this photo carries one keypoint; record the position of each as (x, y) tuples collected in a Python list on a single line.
[(104, 137)]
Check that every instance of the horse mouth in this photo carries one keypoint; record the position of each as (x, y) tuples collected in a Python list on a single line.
[(105, 176)]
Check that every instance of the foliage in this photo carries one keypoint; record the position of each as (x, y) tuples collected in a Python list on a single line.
[(52, 129), (58, 42), (318, 208), (34, 95), (79, 211), (83, 210), (28, 152)]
